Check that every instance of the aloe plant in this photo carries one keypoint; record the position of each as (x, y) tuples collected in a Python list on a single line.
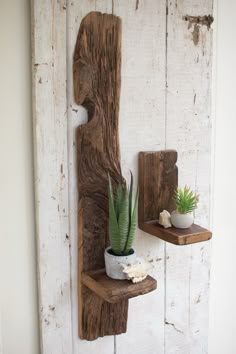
[(185, 200), (122, 218)]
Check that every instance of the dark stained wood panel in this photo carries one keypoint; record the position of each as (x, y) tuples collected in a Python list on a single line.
[(158, 179), (97, 80)]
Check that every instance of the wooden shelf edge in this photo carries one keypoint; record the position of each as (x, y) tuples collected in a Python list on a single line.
[(115, 291), (172, 235)]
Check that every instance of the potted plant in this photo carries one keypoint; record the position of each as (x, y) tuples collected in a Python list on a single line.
[(186, 202), (122, 226)]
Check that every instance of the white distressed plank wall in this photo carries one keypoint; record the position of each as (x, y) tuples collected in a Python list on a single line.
[(143, 105), (51, 174), (188, 129), (165, 103)]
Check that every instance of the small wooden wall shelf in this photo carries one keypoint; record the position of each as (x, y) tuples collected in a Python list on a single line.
[(103, 302), (114, 291), (193, 234), (158, 179)]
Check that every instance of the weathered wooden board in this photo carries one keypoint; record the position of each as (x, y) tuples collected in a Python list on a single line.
[(97, 71), (51, 174), (77, 115), (180, 237), (158, 180), (188, 130), (114, 291)]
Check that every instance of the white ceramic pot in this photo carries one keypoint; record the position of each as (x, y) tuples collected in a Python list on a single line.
[(181, 221), (113, 264)]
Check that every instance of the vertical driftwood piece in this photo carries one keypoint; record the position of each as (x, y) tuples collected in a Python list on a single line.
[(97, 78), (76, 11), (158, 178)]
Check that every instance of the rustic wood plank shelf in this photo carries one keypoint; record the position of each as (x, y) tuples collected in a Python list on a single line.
[(114, 291), (180, 237), (158, 179), (103, 302)]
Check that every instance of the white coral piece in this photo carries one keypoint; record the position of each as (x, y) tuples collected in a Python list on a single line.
[(164, 219), (136, 271)]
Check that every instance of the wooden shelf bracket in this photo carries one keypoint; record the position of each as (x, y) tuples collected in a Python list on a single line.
[(158, 179)]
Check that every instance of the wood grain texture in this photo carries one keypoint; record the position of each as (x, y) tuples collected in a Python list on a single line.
[(158, 179), (181, 237), (114, 291), (104, 318), (97, 65), (77, 115), (97, 80)]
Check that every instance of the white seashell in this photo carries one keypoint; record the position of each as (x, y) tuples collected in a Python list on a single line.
[(136, 271), (164, 219)]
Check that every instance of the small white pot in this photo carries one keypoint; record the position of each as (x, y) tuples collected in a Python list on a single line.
[(113, 264), (181, 221)]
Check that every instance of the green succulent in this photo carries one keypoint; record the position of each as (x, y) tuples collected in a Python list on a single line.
[(185, 200), (122, 218)]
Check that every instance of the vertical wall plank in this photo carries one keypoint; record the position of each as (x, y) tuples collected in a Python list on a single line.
[(104, 6), (51, 177), (188, 130), (77, 115), (142, 127)]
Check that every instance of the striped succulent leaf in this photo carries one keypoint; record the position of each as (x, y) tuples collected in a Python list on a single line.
[(119, 198), (133, 225), (114, 232), (122, 219)]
